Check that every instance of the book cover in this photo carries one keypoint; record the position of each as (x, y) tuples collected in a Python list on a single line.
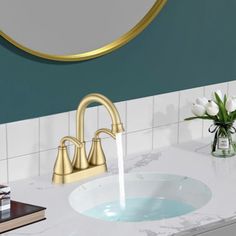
[(20, 214)]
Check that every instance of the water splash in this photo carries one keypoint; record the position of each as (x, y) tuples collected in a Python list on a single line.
[(120, 156)]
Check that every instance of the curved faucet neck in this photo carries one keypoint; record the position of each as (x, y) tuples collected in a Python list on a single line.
[(117, 126)]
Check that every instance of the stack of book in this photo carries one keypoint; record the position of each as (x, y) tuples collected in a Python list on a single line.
[(17, 214), (5, 199)]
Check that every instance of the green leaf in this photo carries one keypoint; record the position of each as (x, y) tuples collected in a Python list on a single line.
[(233, 116), (200, 117), (225, 99), (222, 111)]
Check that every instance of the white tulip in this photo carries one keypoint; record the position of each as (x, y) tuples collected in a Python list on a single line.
[(212, 108), (219, 93), (198, 110), (230, 104), (202, 101)]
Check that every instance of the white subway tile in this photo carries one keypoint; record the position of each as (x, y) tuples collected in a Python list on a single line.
[(212, 88), (52, 129), (232, 88), (139, 114), (166, 109), (139, 142), (3, 142), (72, 127), (105, 119), (23, 167), (90, 122), (165, 136), (23, 137), (47, 161), (190, 130), (187, 98), (3, 172)]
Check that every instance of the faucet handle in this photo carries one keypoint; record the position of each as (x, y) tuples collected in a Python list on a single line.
[(63, 164), (106, 131), (96, 155)]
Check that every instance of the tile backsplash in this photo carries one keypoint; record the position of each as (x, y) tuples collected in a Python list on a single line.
[(28, 148)]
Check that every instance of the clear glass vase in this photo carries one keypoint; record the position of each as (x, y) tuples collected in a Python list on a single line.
[(223, 145)]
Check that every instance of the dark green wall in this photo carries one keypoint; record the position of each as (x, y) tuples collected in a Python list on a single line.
[(191, 43)]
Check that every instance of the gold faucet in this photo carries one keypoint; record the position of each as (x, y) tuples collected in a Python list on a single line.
[(84, 166)]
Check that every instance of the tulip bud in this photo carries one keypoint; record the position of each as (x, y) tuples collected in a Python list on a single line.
[(198, 110), (219, 93), (230, 104), (212, 108), (202, 101)]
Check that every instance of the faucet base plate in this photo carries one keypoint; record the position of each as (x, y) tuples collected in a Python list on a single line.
[(78, 175)]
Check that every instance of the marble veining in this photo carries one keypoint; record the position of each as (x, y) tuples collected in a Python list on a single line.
[(62, 220), (149, 232)]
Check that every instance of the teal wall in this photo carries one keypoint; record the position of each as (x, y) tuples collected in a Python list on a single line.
[(191, 43)]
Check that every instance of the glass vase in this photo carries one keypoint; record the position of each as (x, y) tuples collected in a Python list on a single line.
[(223, 145)]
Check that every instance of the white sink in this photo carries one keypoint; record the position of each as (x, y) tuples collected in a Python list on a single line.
[(149, 197)]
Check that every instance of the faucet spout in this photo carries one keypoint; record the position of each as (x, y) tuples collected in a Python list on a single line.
[(80, 160), (117, 126)]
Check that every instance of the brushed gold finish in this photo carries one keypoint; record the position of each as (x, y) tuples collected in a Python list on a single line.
[(96, 155), (63, 164), (79, 175), (137, 29), (104, 130), (71, 139), (82, 166), (117, 126)]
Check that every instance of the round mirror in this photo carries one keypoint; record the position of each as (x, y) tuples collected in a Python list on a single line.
[(74, 30)]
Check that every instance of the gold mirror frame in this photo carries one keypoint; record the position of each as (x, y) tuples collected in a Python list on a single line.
[(147, 19)]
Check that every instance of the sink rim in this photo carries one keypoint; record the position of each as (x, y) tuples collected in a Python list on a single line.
[(98, 183)]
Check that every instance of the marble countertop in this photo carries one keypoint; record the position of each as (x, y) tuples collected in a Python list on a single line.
[(190, 159)]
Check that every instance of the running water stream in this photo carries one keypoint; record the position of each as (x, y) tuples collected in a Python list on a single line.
[(120, 156)]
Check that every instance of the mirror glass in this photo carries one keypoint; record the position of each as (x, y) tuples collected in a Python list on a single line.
[(74, 29)]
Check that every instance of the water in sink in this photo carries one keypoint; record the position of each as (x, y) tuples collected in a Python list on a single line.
[(149, 196), (140, 209)]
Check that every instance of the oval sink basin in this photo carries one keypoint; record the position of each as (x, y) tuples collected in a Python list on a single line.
[(149, 197)]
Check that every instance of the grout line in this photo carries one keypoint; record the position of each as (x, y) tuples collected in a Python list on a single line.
[(126, 122), (97, 116), (153, 111), (32, 153), (203, 124), (141, 130), (160, 126), (39, 144), (23, 155), (178, 123), (227, 88), (8, 178), (69, 131), (51, 149)]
